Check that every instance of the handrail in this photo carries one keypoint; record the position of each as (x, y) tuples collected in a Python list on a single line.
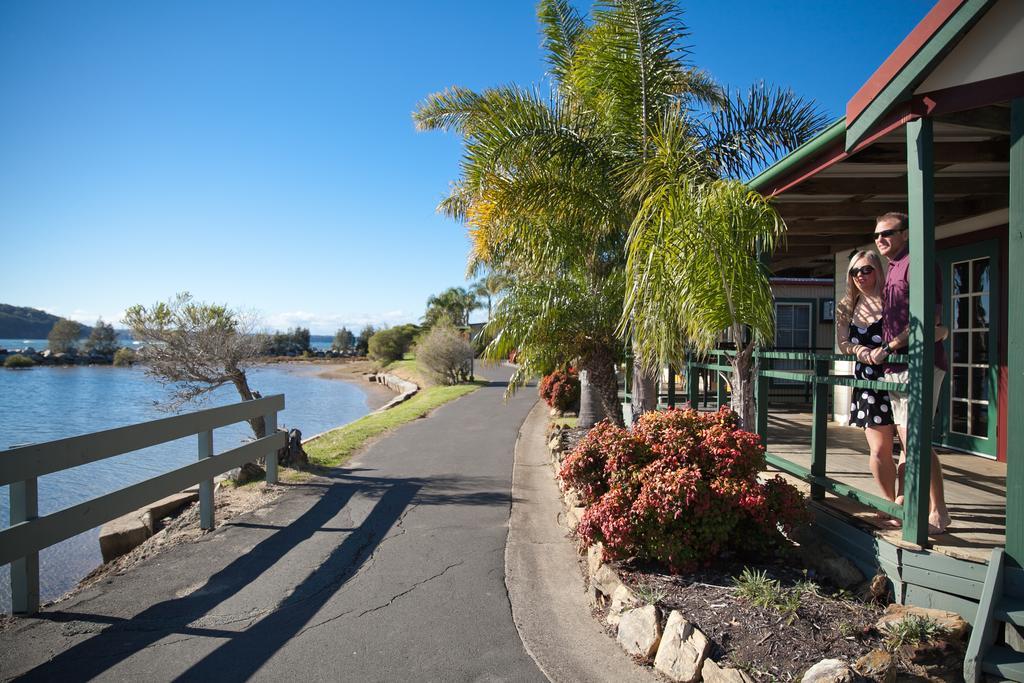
[(20, 468), (35, 460)]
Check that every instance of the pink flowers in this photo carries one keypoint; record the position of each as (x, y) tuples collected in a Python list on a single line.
[(680, 488)]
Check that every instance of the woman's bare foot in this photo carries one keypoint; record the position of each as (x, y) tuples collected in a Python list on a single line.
[(938, 524)]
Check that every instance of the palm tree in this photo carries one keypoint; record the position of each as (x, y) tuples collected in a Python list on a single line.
[(454, 303), (490, 286), (553, 184)]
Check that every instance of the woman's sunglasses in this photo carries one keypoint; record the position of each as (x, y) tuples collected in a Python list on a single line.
[(863, 270)]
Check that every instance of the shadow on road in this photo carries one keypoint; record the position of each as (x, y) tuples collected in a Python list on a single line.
[(248, 649)]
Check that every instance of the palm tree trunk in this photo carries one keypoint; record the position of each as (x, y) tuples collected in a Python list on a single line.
[(645, 384), (742, 402), (599, 364), (591, 408)]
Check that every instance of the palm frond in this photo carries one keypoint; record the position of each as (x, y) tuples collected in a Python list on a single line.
[(562, 27)]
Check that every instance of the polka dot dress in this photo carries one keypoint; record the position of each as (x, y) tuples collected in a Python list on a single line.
[(868, 407)]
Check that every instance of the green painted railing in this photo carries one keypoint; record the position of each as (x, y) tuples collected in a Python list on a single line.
[(21, 468), (821, 380)]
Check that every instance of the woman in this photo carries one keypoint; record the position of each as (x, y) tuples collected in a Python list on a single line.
[(859, 331)]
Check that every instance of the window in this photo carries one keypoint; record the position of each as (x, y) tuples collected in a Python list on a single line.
[(792, 333)]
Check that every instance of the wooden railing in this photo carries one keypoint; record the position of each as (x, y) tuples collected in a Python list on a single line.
[(21, 467), (820, 379)]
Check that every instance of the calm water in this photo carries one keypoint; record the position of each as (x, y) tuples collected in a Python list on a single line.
[(46, 403), (42, 344)]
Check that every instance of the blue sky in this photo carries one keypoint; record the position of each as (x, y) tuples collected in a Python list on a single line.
[(262, 154)]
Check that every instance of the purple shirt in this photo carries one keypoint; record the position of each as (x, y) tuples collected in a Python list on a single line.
[(896, 307)]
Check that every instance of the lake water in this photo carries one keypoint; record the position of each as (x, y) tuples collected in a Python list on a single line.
[(42, 344), (46, 403)]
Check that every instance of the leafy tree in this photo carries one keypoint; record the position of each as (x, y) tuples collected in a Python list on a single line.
[(363, 340), (552, 184), (197, 347), (63, 338), (102, 339), (125, 356), (454, 304), (489, 287), (343, 340), (391, 344), (291, 343)]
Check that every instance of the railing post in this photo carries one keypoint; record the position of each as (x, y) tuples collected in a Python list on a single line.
[(692, 383), (921, 209), (25, 570), (819, 428), (206, 487), (671, 386), (271, 421), (722, 359), (760, 400)]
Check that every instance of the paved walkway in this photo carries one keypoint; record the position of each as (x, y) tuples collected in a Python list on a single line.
[(392, 570)]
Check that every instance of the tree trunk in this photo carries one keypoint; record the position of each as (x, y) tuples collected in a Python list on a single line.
[(742, 402), (257, 424), (591, 408), (600, 366), (645, 388)]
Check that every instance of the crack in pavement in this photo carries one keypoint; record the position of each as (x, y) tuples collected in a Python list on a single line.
[(410, 589)]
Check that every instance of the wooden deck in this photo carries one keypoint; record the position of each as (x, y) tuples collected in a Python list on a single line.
[(975, 486)]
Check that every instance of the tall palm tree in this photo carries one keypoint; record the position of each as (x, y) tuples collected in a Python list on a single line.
[(552, 184), (490, 286), (454, 303)]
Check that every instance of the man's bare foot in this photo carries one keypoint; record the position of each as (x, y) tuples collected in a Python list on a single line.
[(938, 524)]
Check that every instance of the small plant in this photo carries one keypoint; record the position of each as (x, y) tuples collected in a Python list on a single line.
[(755, 586), (911, 630), (847, 630), (17, 360), (650, 594), (561, 389)]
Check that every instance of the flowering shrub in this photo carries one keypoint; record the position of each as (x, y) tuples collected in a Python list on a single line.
[(680, 488), (561, 389)]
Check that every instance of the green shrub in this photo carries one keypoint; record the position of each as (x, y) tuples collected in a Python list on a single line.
[(446, 355), (680, 488), (387, 346), (17, 360), (125, 356)]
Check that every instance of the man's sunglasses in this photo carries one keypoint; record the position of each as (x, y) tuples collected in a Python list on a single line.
[(863, 270), (888, 233)]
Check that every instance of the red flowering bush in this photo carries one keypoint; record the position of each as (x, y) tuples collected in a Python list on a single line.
[(561, 389), (680, 488)]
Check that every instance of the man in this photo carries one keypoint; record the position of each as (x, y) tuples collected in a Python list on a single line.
[(891, 240)]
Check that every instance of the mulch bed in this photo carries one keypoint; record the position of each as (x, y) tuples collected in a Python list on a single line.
[(766, 642)]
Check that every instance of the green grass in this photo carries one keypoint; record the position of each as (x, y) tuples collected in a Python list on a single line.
[(913, 629), (569, 422), (336, 447)]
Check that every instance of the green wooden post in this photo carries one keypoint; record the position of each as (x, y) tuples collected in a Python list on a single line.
[(1015, 345), (671, 386), (24, 504), (271, 421), (720, 383), (819, 428), (921, 209), (692, 383)]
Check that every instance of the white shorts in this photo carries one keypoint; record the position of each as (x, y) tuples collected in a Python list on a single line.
[(900, 400)]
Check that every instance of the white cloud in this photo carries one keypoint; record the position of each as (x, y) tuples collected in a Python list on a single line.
[(329, 323)]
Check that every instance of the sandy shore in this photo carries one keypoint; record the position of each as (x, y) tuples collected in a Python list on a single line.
[(357, 371)]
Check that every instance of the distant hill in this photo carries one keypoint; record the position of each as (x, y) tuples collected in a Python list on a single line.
[(20, 322)]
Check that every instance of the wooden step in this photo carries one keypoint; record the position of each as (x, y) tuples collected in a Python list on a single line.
[(1010, 609), (1002, 661)]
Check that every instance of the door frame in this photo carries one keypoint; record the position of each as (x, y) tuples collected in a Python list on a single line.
[(983, 446)]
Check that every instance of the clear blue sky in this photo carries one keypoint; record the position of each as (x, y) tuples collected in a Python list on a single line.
[(262, 154)]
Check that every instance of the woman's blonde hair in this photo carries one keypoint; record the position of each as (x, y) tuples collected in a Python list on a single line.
[(844, 311)]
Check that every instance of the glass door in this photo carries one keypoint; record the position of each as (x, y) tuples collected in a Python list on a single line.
[(968, 411)]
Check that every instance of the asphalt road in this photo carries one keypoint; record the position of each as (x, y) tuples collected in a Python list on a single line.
[(391, 570)]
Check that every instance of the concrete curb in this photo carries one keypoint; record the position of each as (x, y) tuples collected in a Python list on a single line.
[(549, 600)]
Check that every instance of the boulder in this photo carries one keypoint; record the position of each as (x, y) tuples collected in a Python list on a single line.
[(682, 650), (829, 671), (713, 673), (154, 512), (622, 600), (605, 580), (122, 535), (595, 558), (956, 627), (639, 631), (878, 665), (826, 561)]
